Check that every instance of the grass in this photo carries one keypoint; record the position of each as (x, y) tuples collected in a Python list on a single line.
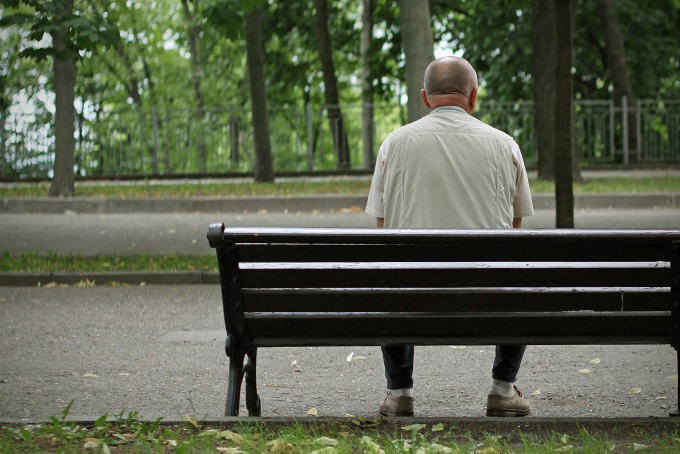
[(338, 186), (127, 433), (51, 262)]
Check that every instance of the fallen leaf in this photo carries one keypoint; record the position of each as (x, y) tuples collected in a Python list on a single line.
[(326, 450), (595, 360), (639, 447), (278, 446), (634, 391), (536, 393), (457, 347), (89, 375), (349, 358), (584, 371), (294, 362), (438, 427), (565, 438), (371, 446), (313, 411), (192, 421), (673, 377), (567, 448), (414, 427), (326, 441), (436, 447), (228, 450)]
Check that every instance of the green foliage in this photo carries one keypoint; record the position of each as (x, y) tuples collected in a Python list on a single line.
[(80, 33)]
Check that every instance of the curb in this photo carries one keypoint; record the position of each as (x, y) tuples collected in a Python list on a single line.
[(325, 203), (8, 279)]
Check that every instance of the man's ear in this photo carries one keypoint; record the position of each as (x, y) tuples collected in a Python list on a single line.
[(425, 101), (473, 100)]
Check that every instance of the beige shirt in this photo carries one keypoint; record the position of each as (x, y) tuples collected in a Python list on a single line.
[(449, 170)]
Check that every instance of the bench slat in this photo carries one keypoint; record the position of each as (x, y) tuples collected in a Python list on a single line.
[(424, 329), (621, 250), (291, 276), (457, 300)]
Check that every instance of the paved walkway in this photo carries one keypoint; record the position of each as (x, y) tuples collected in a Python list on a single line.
[(159, 350)]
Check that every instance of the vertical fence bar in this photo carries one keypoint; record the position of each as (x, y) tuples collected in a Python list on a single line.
[(154, 164), (612, 144), (310, 138), (624, 129)]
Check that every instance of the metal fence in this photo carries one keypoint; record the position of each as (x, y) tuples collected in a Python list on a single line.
[(182, 142)]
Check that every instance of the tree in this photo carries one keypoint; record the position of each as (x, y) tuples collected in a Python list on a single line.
[(543, 74), (65, 70), (564, 195), (335, 118), (616, 62), (264, 166), (418, 43), (367, 126), (71, 34)]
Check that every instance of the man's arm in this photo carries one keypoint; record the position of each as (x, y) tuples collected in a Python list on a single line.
[(516, 223), (381, 222)]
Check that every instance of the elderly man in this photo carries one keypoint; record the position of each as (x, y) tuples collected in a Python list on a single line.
[(449, 170)]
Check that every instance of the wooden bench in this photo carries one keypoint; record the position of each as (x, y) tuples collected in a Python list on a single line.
[(342, 287)]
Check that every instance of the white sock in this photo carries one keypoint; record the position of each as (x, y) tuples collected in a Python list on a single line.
[(504, 388), (402, 392)]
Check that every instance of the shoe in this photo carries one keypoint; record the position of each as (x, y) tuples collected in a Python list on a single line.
[(515, 405), (396, 406)]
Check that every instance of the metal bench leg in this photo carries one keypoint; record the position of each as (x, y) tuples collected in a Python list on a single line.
[(236, 356), (252, 399), (676, 413)]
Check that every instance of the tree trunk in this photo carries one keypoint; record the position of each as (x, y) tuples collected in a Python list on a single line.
[(367, 126), (264, 166), (564, 196), (616, 61), (335, 118), (65, 71), (416, 35), (543, 72), (575, 168), (194, 34)]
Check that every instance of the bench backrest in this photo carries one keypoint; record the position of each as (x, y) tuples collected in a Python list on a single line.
[(313, 286)]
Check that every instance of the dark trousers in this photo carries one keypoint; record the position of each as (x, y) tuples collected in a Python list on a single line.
[(399, 364)]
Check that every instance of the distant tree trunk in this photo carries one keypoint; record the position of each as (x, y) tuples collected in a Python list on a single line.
[(575, 169), (616, 61), (367, 126), (4, 108), (264, 165), (194, 34), (335, 118), (65, 72), (564, 196), (416, 34), (543, 73)]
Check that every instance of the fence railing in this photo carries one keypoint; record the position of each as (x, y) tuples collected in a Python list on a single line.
[(181, 142)]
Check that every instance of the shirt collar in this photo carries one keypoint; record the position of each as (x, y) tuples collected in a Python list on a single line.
[(445, 108)]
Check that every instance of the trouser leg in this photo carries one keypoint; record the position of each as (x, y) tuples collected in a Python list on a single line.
[(398, 366), (507, 362)]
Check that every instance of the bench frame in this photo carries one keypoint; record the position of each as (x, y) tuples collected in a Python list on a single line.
[(469, 278)]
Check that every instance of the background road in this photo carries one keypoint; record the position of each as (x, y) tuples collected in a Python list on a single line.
[(185, 233)]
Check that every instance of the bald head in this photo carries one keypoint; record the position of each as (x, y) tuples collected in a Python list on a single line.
[(450, 75), (450, 81)]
